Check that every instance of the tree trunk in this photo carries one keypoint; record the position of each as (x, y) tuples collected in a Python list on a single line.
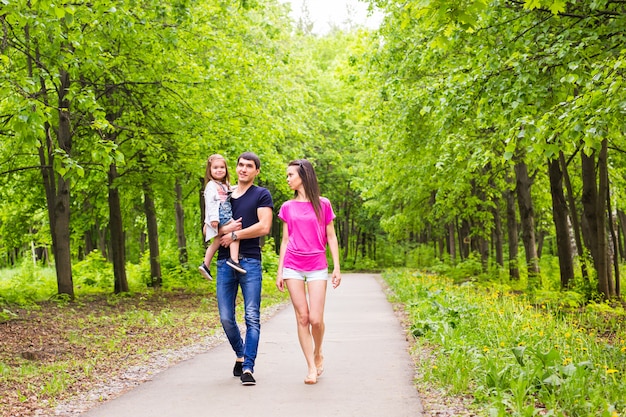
[(142, 242), (344, 232), (589, 198), (60, 221), (465, 239), (202, 205), (615, 289), (497, 234), (511, 227), (90, 246), (116, 228), (357, 242), (451, 242), (484, 252), (573, 216), (622, 225), (180, 225), (56, 187), (153, 236), (527, 217), (594, 232), (102, 242), (559, 215), (604, 281), (441, 247)]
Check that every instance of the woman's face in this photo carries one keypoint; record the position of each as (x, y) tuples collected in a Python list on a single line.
[(218, 169), (293, 178)]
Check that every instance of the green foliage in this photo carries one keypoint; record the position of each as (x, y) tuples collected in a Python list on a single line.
[(6, 315), (365, 264), (514, 358), (422, 256), (269, 257), (93, 274), (469, 89), (270, 293), (27, 284), (559, 299)]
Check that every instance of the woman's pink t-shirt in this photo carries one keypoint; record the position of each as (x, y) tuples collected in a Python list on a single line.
[(306, 249)]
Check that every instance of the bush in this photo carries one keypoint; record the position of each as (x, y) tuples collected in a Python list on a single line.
[(93, 274), (27, 284)]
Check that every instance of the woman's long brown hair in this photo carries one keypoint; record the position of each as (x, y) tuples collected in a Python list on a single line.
[(310, 184)]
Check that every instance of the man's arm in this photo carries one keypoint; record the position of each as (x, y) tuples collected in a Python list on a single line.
[(260, 228)]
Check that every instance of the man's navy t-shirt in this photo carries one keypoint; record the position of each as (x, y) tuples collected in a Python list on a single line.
[(246, 206)]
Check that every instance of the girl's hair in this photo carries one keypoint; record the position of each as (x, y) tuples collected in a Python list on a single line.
[(309, 182), (207, 175)]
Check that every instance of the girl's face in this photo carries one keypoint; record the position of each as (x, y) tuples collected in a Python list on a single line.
[(218, 169), (293, 178)]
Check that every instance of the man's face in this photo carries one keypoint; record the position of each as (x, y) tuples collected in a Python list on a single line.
[(246, 170)]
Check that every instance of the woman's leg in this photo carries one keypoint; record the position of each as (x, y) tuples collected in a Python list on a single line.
[(317, 301), (297, 292)]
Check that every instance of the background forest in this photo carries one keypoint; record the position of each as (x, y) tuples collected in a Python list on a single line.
[(487, 135), (479, 140)]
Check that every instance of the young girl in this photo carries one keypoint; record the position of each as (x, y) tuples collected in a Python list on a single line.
[(302, 265), (218, 212)]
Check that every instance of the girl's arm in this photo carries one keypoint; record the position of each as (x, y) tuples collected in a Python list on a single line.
[(333, 245), (211, 204)]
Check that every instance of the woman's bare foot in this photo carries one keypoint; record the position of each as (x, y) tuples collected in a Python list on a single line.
[(319, 364), (311, 379)]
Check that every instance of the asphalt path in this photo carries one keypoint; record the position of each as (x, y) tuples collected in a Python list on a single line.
[(368, 369)]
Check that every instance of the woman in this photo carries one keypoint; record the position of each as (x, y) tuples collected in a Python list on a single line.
[(307, 229)]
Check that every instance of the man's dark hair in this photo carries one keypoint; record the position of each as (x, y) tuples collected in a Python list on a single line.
[(250, 156)]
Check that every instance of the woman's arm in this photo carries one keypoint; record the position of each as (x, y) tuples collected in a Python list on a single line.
[(280, 282), (333, 245)]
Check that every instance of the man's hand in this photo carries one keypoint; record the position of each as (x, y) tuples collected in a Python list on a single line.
[(227, 230)]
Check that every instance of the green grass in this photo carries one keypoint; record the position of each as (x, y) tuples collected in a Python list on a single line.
[(514, 357)]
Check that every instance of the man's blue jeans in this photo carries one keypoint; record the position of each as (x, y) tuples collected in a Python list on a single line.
[(228, 283)]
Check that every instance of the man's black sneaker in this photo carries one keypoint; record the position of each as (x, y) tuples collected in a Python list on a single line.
[(247, 378), (238, 369), (235, 265), (205, 271)]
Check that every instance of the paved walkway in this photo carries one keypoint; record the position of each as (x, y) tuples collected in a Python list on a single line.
[(368, 371)]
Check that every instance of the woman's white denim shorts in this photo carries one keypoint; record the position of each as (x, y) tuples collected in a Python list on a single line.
[(321, 275)]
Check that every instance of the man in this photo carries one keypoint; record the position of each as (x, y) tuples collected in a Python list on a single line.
[(252, 207)]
